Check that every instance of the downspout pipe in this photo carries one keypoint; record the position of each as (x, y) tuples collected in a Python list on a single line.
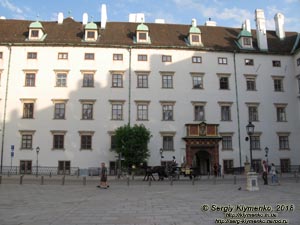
[(129, 87), (237, 108), (5, 107)]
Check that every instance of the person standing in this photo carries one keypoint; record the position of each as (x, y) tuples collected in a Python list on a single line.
[(274, 174), (265, 172), (103, 177)]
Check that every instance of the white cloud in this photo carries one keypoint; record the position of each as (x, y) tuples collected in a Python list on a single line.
[(8, 5), (291, 1)]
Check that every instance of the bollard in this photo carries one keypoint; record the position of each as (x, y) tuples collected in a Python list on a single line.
[(150, 179), (171, 182), (234, 179), (63, 180), (21, 179), (0, 179), (127, 180), (42, 180), (193, 180), (84, 180)]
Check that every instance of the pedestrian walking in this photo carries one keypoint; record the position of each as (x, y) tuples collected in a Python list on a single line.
[(103, 177), (265, 172), (274, 176)]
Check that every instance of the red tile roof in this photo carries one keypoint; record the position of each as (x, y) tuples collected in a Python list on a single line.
[(122, 33)]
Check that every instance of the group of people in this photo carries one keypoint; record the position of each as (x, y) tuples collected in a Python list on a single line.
[(272, 170)]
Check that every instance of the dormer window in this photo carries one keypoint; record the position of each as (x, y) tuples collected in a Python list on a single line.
[(245, 39), (36, 32), (194, 38), (142, 34), (91, 32)]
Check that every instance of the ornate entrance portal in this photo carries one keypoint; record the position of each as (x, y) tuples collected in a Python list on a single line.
[(202, 147)]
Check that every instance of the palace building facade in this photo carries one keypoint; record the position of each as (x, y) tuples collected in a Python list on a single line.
[(66, 86)]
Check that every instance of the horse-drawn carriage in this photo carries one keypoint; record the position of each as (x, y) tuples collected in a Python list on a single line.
[(171, 172)]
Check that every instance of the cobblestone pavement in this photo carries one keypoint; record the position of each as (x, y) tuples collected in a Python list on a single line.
[(140, 203)]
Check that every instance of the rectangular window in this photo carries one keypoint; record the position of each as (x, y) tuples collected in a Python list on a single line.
[(167, 81), (61, 79), (225, 113), (62, 55), (142, 36), (283, 142), (117, 80), (34, 33), (89, 56), (142, 81), (26, 141), (117, 57), (166, 58), (86, 142), (59, 110), (168, 143), (228, 166), (88, 80), (91, 34), (253, 113), (222, 60), (113, 142), (199, 113), (255, 142), (58, 141), (142, 112), (117, 111), (249, 62), (278, 84), (281, 115), (227, 142), (87, 111), (64, 167), (142, 58), (298, 62), (167, 112), (285, 165), (224, 83), (196, 59), (251, 84), (195, 38), (29, 79), (247, 41), (276, 63), (25, 166), (28, 109), (1, 55), (197, 82), (31, 55)]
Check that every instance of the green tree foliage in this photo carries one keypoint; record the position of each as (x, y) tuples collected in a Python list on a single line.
[(132, 143)]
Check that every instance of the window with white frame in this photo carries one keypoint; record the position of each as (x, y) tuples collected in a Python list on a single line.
[(142, 110), (278, 83), (117, 109), (249, 62), (225, 111), (88, 79), (250, 82), (166, 58), (87, 109), (255, 141), (58, 139), (59, 108), (27, 139), (86, 138), (61, 78), (142, 79), (253, 111), (199, 111), (30, 79), (117, 57), (227, 141), (31, 55), (281, 112), (89, 56), (142, 57), (117, 79), (197, 79), (168, 141), (62, 55), (224, 81), (283, 138), (167, 110), (28, 108), (196, 59), (276, 63), (1, 55), (222, 60)]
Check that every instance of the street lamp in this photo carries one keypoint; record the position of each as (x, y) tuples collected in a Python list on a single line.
[(250, 130), (161, 151), (37, 160), (266, 155)]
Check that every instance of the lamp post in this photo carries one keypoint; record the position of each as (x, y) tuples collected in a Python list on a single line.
[(250, 130), (266, 155), (37, 160), (161, 151)]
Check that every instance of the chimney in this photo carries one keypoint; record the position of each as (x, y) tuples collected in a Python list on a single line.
[(261, 33), (2, 18), (85, 19), (136, 17), (210, 23), (279, 22), (247, 25), (103, 16), (60, 18), (159, 21)]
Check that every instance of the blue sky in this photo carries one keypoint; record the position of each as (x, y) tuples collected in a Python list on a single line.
[(229, 13)]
